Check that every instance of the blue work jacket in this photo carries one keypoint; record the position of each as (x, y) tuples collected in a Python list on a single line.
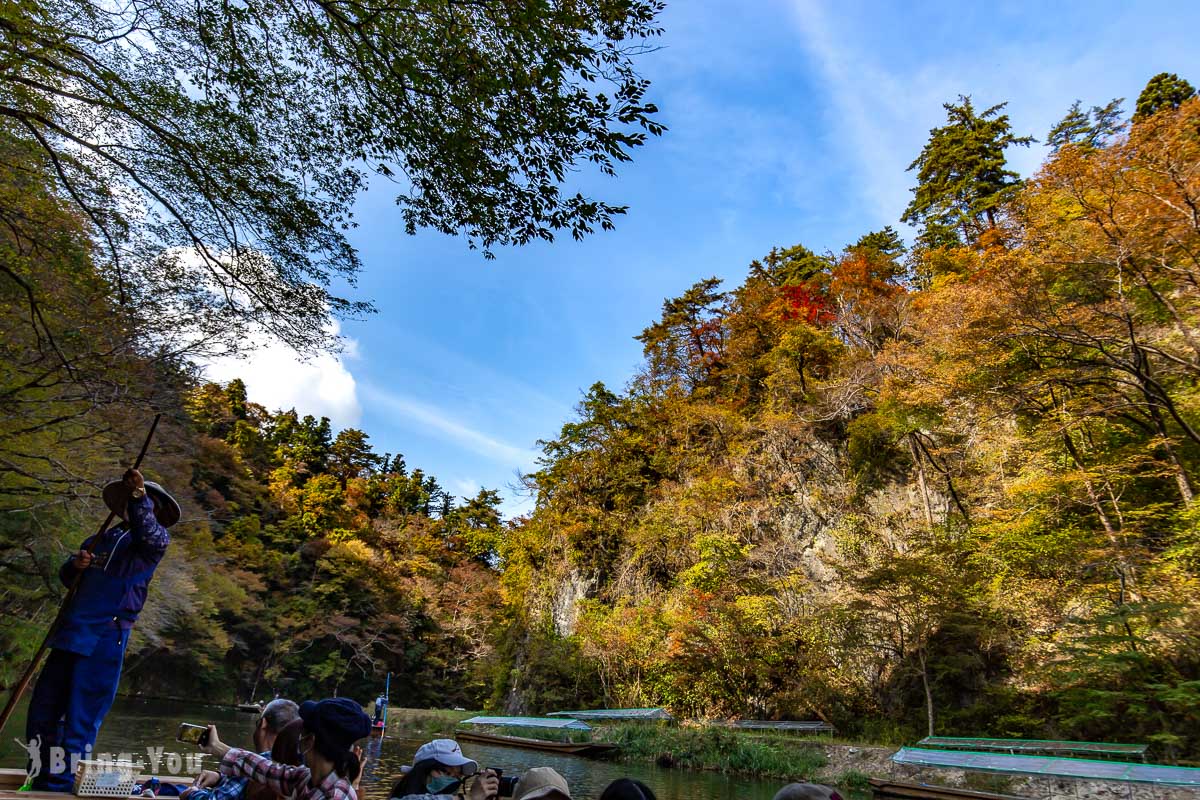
[(113, 588)]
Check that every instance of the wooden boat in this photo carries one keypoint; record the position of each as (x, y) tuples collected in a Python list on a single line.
[(591, 749), (250, 708), (896, 790), (12, 779)]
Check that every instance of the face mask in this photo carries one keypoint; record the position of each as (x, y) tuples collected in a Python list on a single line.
[(443, 784)]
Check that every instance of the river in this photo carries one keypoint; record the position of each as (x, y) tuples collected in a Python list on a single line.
[(139, 726)]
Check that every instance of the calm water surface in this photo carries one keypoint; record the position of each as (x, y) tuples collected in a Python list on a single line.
[(133, 726)]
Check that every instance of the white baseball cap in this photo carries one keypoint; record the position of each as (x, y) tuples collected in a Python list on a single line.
[(447, 753)]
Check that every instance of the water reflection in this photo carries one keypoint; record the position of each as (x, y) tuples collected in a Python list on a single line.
[(134, 726)]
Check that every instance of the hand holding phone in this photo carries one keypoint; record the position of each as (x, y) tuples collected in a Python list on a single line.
[(192, 734)]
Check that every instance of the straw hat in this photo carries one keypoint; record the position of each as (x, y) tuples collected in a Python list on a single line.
[(540, 782), (116, 497)]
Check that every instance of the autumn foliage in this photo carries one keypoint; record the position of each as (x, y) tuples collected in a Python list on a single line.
[(945, 490)]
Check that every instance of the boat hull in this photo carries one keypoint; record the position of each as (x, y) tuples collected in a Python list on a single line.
[(11, 780), (588, 749)]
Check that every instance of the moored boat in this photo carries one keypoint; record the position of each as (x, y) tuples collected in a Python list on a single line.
[(565, 746), (591, 749)]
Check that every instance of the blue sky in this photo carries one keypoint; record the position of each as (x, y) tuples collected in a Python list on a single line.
[(790, 122)]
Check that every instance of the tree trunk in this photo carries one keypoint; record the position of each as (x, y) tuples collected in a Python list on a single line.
[(921, 484), (1157, 401), (928, 693)]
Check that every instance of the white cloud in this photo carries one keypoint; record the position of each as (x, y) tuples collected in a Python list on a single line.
[(454, 430), (278, 378)]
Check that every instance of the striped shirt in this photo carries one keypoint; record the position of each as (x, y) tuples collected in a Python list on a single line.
[(291, 782)]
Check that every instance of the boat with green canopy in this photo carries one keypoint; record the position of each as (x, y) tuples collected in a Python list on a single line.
[(1050, 766), (617, 714), (1033, 746)]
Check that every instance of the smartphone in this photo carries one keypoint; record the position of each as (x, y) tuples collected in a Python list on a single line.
[(192, 734)]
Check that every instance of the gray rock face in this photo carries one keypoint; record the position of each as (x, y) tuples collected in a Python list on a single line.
[(564, 609)]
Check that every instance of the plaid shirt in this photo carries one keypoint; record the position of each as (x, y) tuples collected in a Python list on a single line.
[(291, 782), (228, 788)]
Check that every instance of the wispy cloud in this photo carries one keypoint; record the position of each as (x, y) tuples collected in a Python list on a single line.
[(871, 112), (441, 372), (886, 69), (451, 429), (465, 487)]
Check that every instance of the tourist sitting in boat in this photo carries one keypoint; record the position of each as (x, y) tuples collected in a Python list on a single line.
[(210, 785), (286, 750), (439, 772), (541, 783), (627, 789), (331, 727)]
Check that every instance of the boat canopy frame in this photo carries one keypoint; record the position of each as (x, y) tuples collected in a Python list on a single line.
[(1051, 766), (529, 722), (802, 726), (617, 714), (1019, 746)]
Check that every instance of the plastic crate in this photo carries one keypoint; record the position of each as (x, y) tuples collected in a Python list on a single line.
[(105, 779)]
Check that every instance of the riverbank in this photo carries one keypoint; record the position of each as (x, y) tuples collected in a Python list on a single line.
[(432, 722), (692, 747), (772, 756)]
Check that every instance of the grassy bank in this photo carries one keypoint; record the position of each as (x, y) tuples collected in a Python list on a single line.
[(416, 723), (716, 749), (751, 753)]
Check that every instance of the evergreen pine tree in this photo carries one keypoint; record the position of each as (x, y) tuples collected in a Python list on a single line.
[(962, 173), (1084, 128), (1164, 90)]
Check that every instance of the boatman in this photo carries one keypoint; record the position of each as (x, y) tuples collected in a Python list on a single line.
[(79, 681)]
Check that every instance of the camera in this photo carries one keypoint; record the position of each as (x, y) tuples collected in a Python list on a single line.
[(507, 783), (192, 734)]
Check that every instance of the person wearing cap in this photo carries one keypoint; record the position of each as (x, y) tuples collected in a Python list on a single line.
[(329, 765), (439, 772), (77, 685), (541, 783), (807, 791)]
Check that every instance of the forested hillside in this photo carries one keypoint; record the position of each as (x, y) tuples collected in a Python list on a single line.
[(177, 184), (944, 489), (305, 562), (941, 487)]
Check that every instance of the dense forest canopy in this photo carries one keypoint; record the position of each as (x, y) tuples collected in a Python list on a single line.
[(215, 149), (942, 487)]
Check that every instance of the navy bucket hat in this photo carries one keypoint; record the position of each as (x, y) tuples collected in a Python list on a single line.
[(338, 722)]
